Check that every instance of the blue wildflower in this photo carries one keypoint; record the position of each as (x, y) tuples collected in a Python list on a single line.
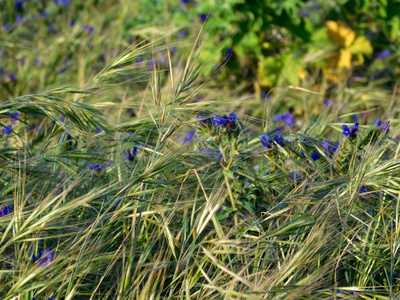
[(315, 156), (350, 133), (63, 119), (14, 116), (330, 149), (335, 147), (265, 96), (220, 155), (44, 15), (5, 210), (36, 257), (279, 140), (130, 154), (278, 118), (7, 130), (346, 131), (204, 120), (96, 167), (266, 141), (88, 29), (327, 102), (12, 77), (63, 3), (152, 64), (163, 60), (220, 120), (46, 258), (382, 55), (355, 118), (181, 35), (326, 144), (232, 117), (18, 4), (279, 128), (364, 189), (203, 17), (385, 126), (52, 28), (228, 54), (287, 118), (62, 70), (189, 136)]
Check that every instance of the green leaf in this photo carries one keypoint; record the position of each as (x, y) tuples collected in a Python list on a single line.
[(361, 45), (229, 174)]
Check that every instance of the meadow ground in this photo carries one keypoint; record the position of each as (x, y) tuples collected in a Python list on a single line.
[(148, 158)]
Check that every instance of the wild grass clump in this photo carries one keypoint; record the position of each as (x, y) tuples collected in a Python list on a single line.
[(185, 202), (136, 176)]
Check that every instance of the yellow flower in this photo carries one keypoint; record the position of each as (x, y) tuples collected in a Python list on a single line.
[(349, 46), (340, 34), (344, 60)]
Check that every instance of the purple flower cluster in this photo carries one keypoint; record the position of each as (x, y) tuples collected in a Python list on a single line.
[(62, 3), (286, 118), (44, 258), (219, 120), (223, 120), (96, 167), (189, 136), (382, 55), (5, 210), (329, 147), (130, 154), (88, 29), (278, 139), (315, 156), (384, 127), (350, 133), (327, 102), (14, 117), (7, 130)]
